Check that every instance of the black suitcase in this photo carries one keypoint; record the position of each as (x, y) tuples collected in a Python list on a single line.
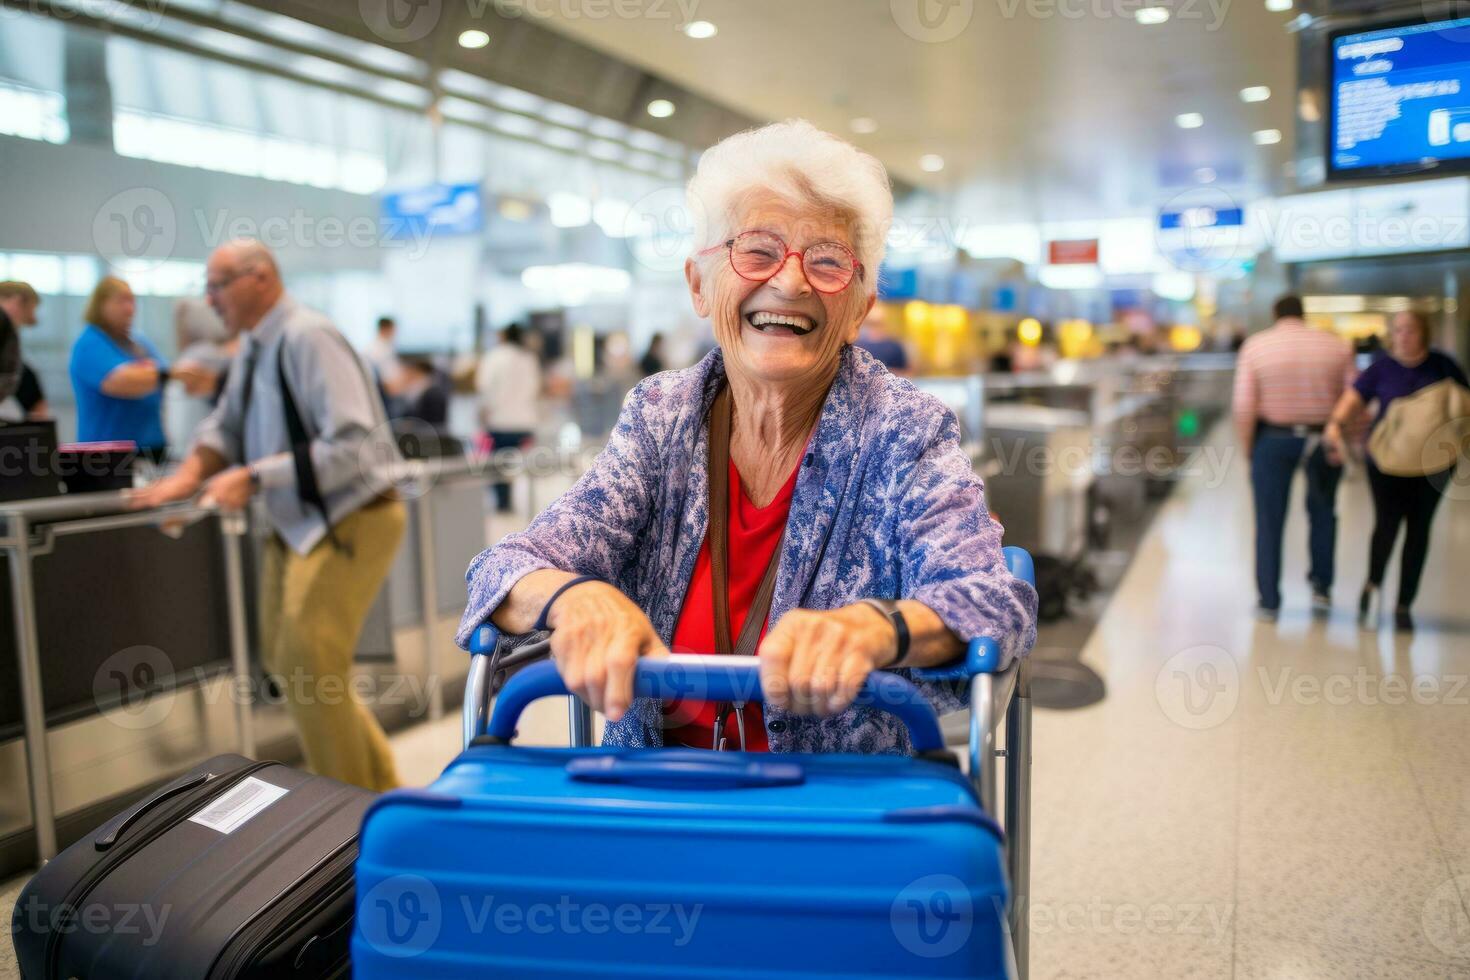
[(235, 869)]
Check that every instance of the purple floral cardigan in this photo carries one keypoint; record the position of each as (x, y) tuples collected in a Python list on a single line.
[(886, 505)]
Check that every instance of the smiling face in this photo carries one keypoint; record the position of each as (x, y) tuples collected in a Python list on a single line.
[(781, 330)]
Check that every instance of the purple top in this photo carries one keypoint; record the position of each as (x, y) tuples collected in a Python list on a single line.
[(886, 505), (1386, 379)]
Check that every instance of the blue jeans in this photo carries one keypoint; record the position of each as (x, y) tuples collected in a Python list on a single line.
[(1274, 460)]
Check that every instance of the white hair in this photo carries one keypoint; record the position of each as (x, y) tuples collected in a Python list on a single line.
[(802, 165)]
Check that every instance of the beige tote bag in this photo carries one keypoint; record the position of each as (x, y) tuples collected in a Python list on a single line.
[(1425, 432)]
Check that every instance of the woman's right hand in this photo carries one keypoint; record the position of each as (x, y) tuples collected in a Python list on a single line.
[(597, 636)]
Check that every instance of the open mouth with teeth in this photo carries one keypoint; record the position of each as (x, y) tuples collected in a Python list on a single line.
[(781, 324)]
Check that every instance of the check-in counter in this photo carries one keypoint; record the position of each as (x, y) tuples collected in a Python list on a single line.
[(129, 640), (1038, 468), (1067, 450)]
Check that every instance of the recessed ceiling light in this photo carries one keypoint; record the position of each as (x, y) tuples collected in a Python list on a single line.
[(1189, 120), (700, 30), (660, 108), (931, 163), (1265, 137), (1205, 175), (1151, 15), (473, 39), (1255, 93), (1278, 6), (863, 125)]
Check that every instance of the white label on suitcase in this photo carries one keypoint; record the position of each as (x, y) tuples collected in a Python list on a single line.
[(238, 805)]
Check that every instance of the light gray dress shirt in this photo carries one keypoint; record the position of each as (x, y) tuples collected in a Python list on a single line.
[(352, 445)]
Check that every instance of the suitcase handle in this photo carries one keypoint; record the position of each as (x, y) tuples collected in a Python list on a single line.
[(708, 678), (691, 769), (109, 834)]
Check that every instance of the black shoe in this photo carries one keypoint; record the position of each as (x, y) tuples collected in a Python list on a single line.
[(1365, 606), (1321, 602), (1402, 621)]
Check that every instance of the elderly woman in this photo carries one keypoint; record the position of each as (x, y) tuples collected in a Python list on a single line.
[(760, 501)]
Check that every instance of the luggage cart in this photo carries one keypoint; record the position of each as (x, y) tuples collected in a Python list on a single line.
[(995, 696)]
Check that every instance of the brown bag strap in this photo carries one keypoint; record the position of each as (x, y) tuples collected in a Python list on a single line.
[(719, 542)]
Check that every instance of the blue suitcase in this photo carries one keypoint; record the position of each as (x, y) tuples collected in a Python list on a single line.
[(684, 863)]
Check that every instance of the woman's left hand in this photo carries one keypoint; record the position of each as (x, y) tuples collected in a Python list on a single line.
[(814, 662)]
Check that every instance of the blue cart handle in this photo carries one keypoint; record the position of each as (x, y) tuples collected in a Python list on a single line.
[(710, 678)]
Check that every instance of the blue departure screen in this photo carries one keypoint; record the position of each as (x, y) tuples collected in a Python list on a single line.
[(1401, 97)]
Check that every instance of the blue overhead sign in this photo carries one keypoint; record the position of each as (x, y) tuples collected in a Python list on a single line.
[(438, 209), (1201, 217)]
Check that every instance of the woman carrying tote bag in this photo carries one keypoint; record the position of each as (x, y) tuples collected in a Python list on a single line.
[(1419, 433)]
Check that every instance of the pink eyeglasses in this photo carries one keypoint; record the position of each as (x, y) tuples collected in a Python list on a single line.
[(759, 255)]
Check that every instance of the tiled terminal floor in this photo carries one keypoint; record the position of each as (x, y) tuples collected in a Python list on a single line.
[(1250, 800)]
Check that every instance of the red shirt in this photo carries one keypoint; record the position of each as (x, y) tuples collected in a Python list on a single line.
[(754, 532)]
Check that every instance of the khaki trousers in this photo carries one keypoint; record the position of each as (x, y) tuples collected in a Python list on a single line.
[(312, 608)]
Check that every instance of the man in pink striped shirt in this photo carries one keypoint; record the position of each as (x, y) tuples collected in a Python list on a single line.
[(1287, 380)]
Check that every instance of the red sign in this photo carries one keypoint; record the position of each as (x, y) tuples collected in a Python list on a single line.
[(1077, 251)]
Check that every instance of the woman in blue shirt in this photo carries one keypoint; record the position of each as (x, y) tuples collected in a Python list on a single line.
[(118, 375)]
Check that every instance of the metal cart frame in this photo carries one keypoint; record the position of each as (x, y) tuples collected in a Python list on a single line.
[(995, 695)]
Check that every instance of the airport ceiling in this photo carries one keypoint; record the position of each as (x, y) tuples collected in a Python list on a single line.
[(1040, 109)]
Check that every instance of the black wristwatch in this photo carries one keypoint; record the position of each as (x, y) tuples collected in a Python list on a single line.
[(889, 609)]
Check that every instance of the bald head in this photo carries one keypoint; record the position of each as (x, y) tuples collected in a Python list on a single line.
[(242, 282)]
